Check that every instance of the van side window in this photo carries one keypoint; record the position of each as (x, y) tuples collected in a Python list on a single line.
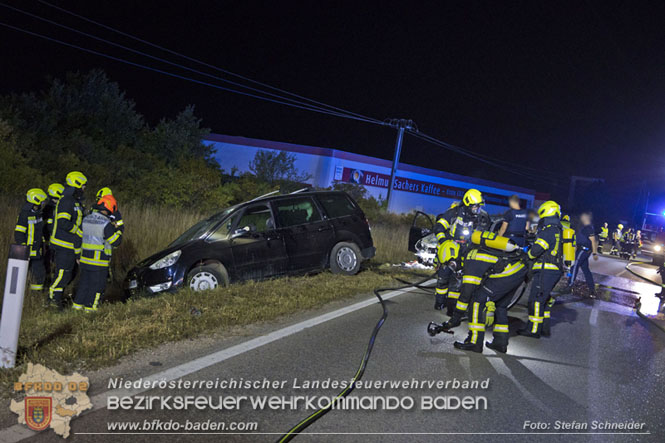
[(223, 231), (257, 218), (296, 211), (336, 205)]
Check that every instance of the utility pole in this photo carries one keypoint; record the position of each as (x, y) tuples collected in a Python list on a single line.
[(401, 125)]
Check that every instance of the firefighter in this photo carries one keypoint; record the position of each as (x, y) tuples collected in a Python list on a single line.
[(116, 217), (100, 235), (515, 222), (54, 191), (500, 271), (616, 240), (547, 257), (29, 231), (587, 245), (67, 234), (602, 237), (457, 224)]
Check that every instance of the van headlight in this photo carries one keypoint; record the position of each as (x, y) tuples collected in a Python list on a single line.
[(657, 248), (167, 261)]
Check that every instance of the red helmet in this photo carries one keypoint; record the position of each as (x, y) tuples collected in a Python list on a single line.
[(109, 203)]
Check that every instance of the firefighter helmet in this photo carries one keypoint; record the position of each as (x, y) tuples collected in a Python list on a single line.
[(103, 193), (473, 197), (76, 179), (35, 196), (448, 250), (549, 209), (620, 226), (109, 203), (55, 190)]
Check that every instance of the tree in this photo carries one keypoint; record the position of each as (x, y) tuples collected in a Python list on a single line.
[(274, 167)]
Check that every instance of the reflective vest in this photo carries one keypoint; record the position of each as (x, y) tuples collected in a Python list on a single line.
[(604, 233), (95, 249)]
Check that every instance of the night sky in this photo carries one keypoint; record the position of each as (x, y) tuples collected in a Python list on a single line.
[(572, 88)]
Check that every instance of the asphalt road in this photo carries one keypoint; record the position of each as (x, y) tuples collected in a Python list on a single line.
[(602, 363)]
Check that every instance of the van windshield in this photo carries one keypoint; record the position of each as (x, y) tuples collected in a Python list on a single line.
[(201, 228)]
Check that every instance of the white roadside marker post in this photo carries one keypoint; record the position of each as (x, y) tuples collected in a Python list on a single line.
[(12, 305)]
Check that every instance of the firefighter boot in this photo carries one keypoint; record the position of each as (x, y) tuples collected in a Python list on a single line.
[(500, 342), (440, 294), (473, 342)]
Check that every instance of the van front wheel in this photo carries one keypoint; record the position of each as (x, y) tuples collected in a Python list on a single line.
[(345, 258), (206, 277)]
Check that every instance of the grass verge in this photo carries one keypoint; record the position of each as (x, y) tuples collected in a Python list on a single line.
[(72, 340)]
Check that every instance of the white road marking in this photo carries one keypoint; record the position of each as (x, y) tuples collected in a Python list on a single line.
[(19, 432), (593, 318)]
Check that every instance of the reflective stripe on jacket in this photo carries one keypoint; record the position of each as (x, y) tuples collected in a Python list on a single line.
[(98, 240)]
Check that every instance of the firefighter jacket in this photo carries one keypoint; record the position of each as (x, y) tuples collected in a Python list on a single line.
[(117, 220), (48, 214), (547, 250), (100, 235), (604, 233), (66, 232), (458, 223), (29, 229)]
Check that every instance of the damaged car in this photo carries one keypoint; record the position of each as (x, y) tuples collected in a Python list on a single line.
[(270, 236)]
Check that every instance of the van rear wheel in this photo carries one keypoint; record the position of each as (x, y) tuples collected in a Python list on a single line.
[(206, 277), (345, 258)]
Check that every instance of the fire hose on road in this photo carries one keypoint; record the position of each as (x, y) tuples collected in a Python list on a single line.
[(297, 429)]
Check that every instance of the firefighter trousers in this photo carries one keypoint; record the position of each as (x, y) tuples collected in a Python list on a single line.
[(541, 289), (444, 275), (493, 298), (64, 264), (92, 284), (38, 274)]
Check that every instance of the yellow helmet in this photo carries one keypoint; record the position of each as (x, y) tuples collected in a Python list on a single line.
[(35, 196), (76, 179), (620, 226), (473, 197), (454, 204), (565, 217), (55, 190), (549, 209), (448, 250), (103, 193)]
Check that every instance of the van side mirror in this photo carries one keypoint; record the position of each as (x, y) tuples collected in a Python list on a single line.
[(241, 232)]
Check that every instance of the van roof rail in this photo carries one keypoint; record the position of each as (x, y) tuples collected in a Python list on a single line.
[(300, 190), (265, 195)]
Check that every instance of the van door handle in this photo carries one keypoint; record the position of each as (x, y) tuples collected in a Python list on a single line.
[(324, 228)]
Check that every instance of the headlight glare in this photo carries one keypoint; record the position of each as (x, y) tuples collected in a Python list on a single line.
[(167, 261)]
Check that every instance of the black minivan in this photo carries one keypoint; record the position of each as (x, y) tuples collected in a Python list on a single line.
[(266, 237)]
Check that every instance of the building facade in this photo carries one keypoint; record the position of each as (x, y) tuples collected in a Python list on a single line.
[(415, 188)]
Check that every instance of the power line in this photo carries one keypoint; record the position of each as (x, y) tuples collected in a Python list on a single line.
[(324, 108), (470, 154), (154, 45), (158, 58), (170, 74)]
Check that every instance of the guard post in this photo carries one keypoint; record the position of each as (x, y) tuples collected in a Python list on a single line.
[(12, 304)]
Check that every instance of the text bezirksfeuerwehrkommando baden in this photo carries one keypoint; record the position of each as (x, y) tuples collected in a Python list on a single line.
[(294, 384), (388, 398)]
